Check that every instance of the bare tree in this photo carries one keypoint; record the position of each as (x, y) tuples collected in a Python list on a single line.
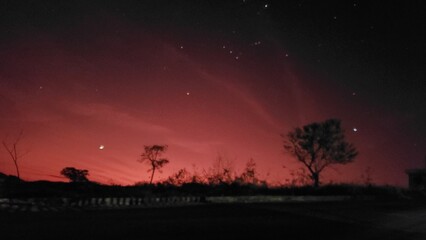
[(12, 149), (319, 145), (152, 155)]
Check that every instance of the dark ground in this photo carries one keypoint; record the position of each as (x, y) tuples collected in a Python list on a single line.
[(332, 220)]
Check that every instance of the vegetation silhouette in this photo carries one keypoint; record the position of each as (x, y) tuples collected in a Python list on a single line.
[(75, 175), (152, 155), (298, 177), (11, 187), (222, 172), (219, 175), (318, 146), (250, 176), (182, 176), (14, 154)]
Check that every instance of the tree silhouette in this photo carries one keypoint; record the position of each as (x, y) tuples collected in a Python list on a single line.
[(75, 175), (14, 153), (152, 155), (319, 145)]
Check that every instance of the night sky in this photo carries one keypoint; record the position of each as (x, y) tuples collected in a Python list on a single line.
[(210, 78)]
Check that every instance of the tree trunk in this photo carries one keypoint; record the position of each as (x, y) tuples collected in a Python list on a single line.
[(315, 178), (152, 175), (17, 170)]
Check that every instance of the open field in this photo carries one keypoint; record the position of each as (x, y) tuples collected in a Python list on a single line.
[(325, 220)]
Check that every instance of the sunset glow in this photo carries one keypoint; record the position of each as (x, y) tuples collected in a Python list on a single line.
[(90, 85)]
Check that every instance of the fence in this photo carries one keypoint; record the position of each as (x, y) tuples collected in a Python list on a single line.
[(56, 204)]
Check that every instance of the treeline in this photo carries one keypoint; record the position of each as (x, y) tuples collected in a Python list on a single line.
[(12, 187), (222, 172)]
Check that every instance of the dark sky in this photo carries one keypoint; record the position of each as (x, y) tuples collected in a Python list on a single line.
[(210, 78)]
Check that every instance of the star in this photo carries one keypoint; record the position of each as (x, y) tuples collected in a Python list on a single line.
[(187, 93), (101, 147), (355, 129)]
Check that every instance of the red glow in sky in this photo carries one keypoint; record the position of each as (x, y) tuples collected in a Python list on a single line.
[(125, 86)]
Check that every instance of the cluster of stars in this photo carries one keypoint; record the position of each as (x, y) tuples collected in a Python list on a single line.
[(232, 52)]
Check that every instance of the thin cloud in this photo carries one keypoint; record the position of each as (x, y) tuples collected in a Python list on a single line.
[(245, 97), (103, 112), (194, 146), (237, 91)]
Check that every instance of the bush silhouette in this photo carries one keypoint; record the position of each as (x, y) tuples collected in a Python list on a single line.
[(75, 175)]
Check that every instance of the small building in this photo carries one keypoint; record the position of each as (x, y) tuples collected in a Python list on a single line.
[(417, 178)]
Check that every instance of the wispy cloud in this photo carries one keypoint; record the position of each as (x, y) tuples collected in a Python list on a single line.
[(113, 115), (243, 94), (239, 91)]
